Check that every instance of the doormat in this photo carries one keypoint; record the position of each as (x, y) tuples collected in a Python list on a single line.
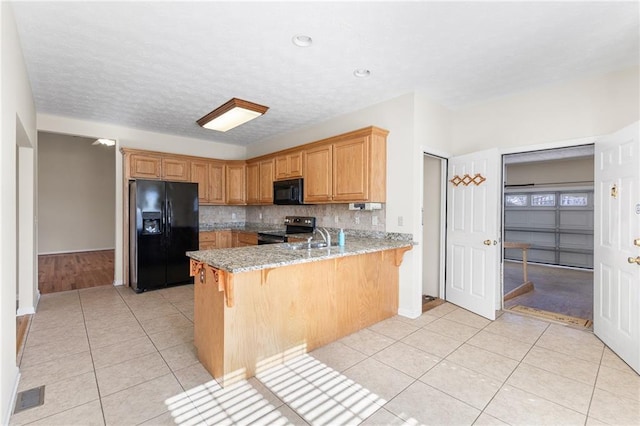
[(580, 322), (430, 302)]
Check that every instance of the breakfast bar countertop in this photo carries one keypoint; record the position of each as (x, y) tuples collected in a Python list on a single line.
[(251, 258)]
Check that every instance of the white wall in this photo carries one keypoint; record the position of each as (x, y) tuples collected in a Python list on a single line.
[(550, 172), (404, 169), (581, 108), (140, 139), (76, 194), (18, 116)]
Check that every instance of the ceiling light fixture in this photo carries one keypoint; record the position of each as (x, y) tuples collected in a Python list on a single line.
[(105, 142), (362, 73), (231, 114), (302, 40)]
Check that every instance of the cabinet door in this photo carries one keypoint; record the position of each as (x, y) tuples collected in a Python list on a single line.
[(317, 174), (236, 183), (224, 239), (175, 169), (351, 170), (144, 166), (217, 179), (253, 183), (295, 164), (282, 167), (265, 181), (200, 175), (244, 239), (288, 166), (207, 240)]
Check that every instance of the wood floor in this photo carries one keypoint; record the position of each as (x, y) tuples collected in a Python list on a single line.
[(22, 323), (72, 271)]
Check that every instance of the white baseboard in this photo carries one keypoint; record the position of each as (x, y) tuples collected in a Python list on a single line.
[(409, 313), (12, 400), (25, 311), (118, 282), (74, 251)]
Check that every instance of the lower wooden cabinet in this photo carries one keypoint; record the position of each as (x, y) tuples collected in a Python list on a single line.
[(243, 238), (224, 239), (207, 240), (215, 239)]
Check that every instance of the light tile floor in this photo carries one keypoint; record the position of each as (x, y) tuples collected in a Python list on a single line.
[(110, 356)]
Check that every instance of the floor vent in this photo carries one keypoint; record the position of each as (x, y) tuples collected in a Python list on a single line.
[(29, 399)]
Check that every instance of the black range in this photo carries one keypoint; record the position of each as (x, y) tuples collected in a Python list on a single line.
[(293, 225)]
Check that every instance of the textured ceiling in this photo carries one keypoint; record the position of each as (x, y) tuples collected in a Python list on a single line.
[(160, 66)]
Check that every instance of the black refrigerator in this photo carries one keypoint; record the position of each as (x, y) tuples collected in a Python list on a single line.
[(163, 225)]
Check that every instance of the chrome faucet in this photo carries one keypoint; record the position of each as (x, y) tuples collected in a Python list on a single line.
[(325, 235)]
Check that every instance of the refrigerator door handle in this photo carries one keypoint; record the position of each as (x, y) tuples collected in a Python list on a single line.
[(164, 223), (169, 218)]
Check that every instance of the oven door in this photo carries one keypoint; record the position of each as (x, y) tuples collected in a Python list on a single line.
[(270, 239)]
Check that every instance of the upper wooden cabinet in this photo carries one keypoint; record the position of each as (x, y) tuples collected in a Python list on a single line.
[(236, 186), (210, 177), (176, 169), (351, 170), (347, 168), (265, 179), (200, 175), (317, 175), (253, 182), (217, 182), (145, 166), (260, 181), (288, 166)]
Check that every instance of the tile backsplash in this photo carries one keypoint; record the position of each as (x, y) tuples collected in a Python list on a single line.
[(222, 214), (325, 214)]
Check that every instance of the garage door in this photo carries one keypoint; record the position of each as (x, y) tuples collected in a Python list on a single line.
[(557, 224)]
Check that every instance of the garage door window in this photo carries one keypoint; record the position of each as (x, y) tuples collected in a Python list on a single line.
[(558, 225)]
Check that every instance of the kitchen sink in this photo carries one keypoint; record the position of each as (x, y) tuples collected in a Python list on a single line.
[(306, 246)]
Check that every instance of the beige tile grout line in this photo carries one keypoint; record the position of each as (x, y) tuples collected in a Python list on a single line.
[(95, 373)]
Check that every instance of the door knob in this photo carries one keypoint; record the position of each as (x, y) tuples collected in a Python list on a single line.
[(636, 242), (488, 242), (635, 260)]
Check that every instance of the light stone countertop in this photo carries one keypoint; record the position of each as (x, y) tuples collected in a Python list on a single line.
[(243, 259)]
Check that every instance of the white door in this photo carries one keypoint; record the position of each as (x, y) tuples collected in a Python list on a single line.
[(616, 316), (473, 248)]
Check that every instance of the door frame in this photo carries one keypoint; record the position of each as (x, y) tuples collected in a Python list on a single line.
[(444, 163), (519, 150)]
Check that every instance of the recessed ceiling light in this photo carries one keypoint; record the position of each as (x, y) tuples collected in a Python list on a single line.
[(105, 142), (362, 72), (231, 114), (302, 40)]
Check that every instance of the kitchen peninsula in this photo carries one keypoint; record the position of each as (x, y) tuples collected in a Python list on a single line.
[(258, 306)]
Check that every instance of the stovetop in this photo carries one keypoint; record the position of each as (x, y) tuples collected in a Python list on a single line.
[(295, 225)]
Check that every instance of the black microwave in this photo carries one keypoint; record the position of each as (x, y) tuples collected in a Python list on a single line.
[(288, 191)]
